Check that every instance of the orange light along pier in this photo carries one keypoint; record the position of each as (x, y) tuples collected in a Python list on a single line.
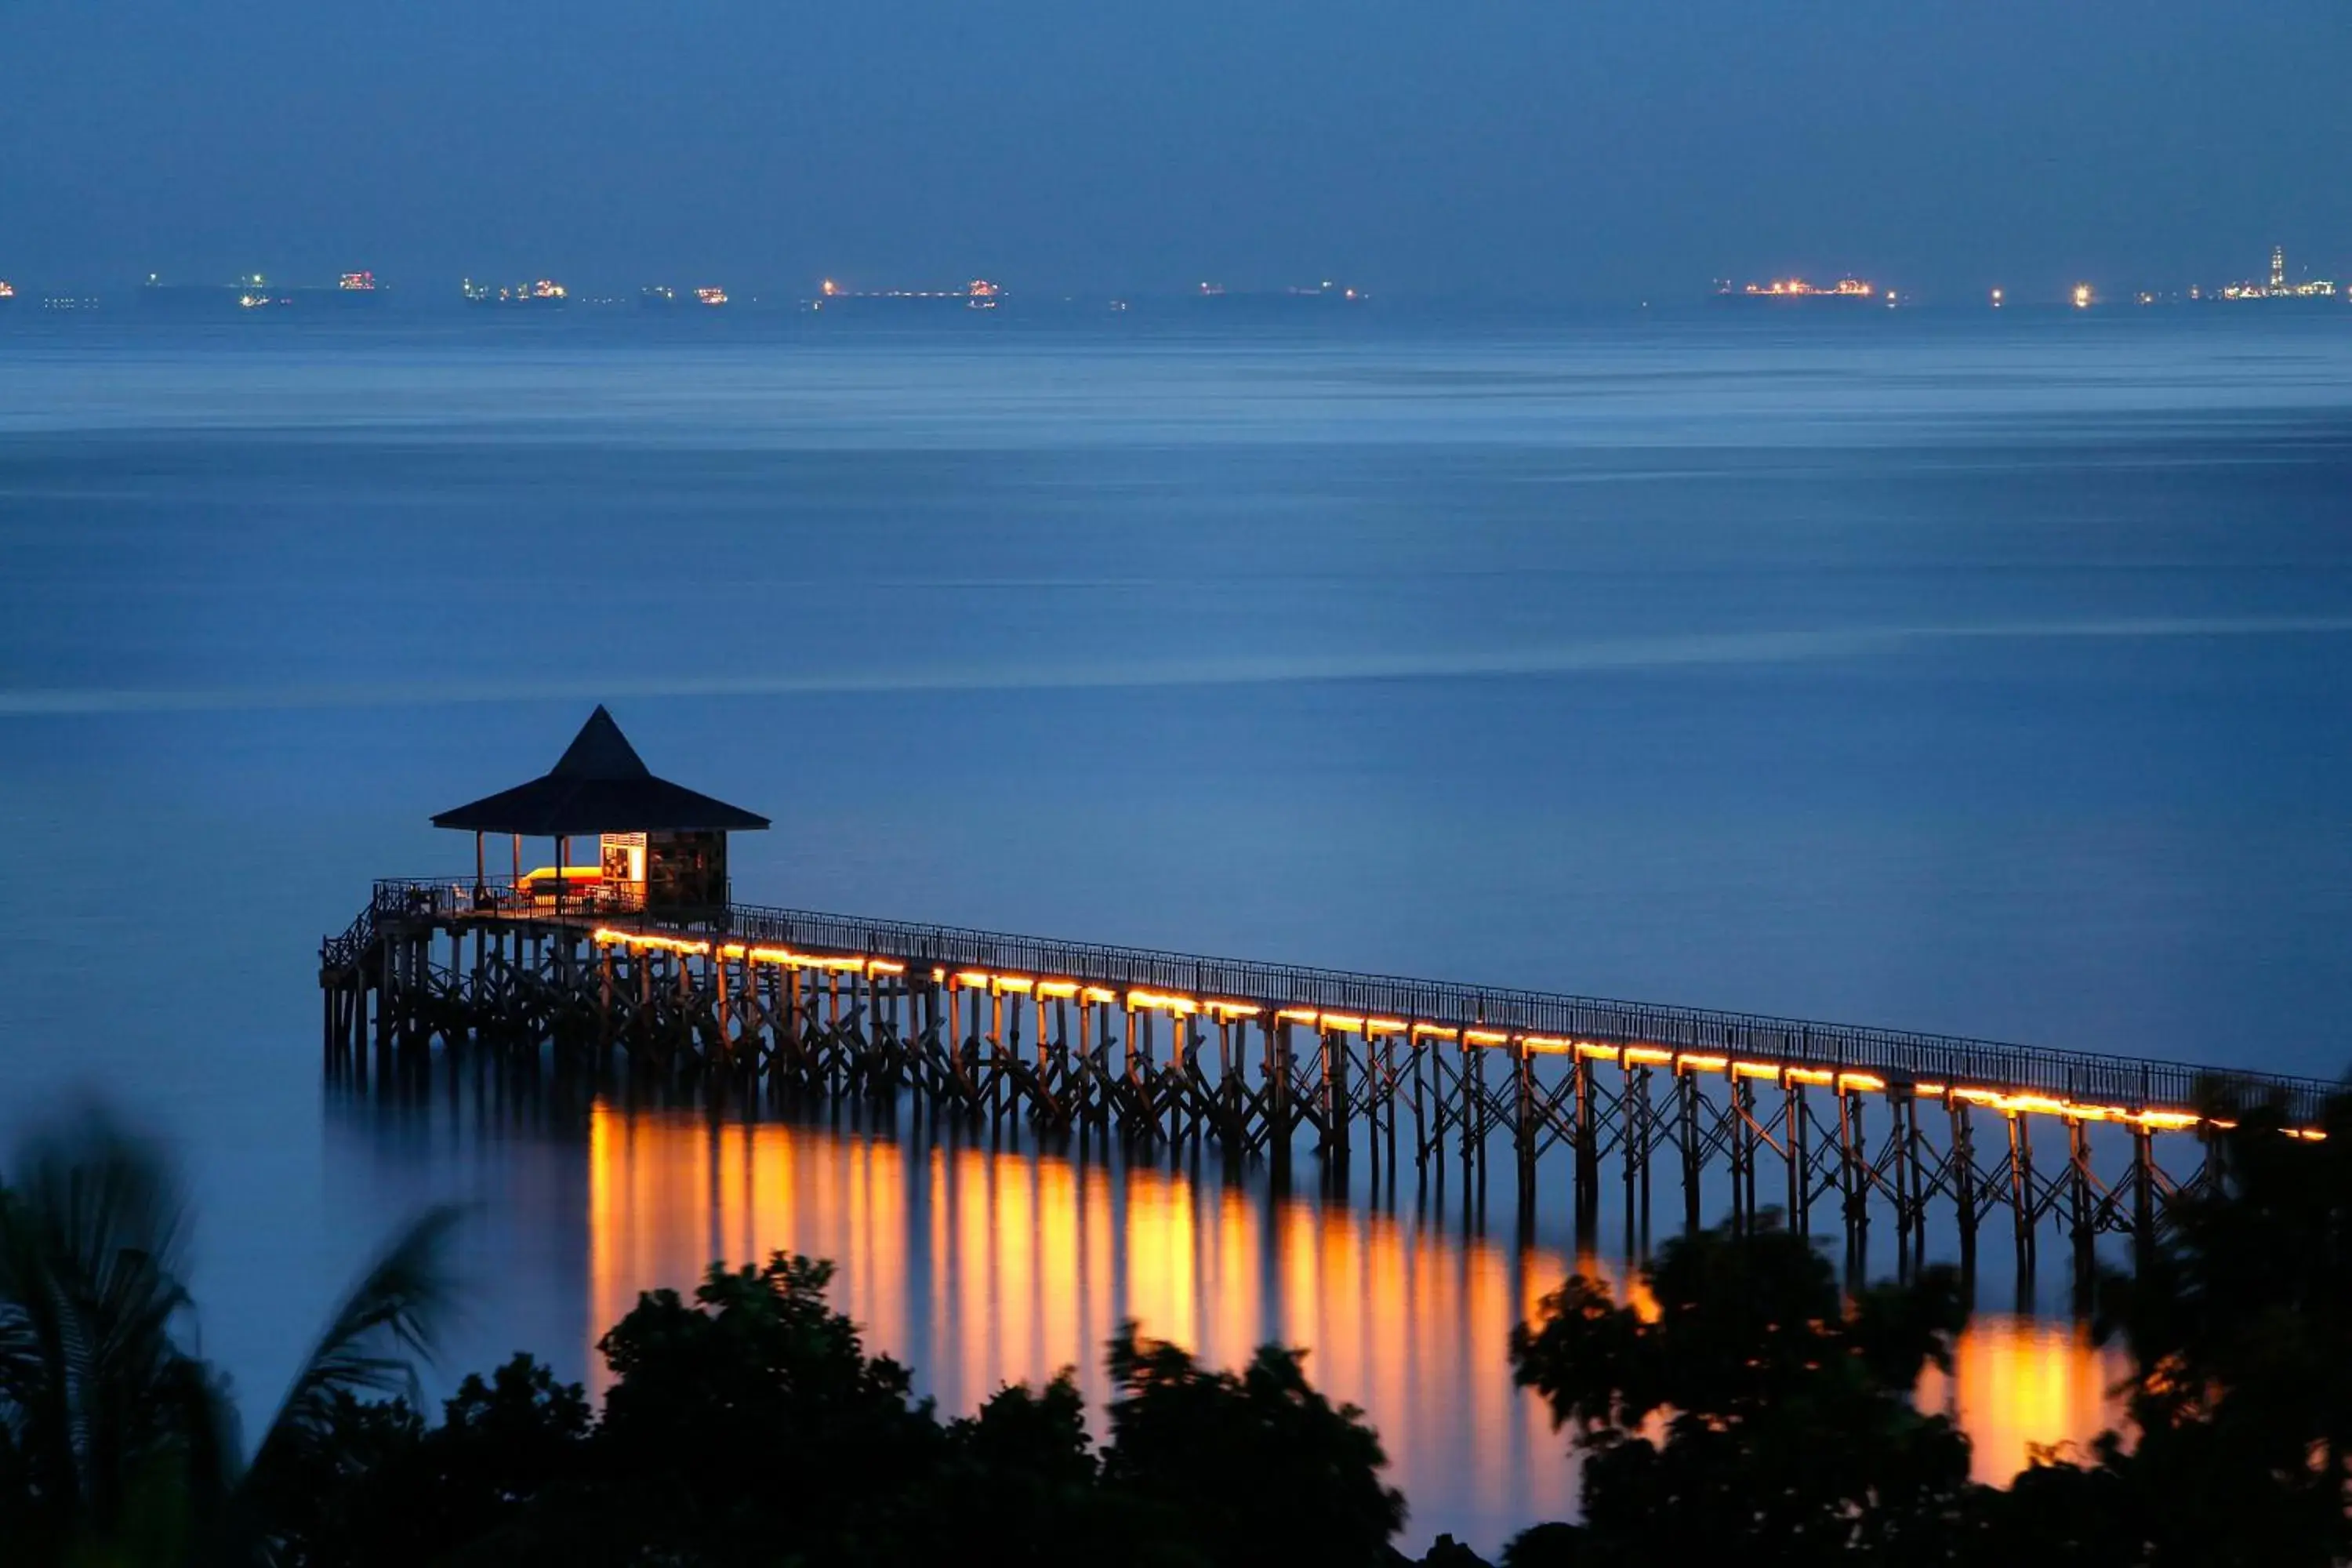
[(650, 958)]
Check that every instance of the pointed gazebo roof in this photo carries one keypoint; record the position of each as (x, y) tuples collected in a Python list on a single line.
[(600, 785)]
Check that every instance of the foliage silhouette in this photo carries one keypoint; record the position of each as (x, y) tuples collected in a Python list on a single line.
[(1749, 1410), (117, 1444), (1303, 1476), (1737, 1404), (749, 1426)]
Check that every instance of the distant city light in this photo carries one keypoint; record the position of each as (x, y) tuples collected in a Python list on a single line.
[(544, 291), (254, 291), (1850, 288), (2278, 288), (979, 294)]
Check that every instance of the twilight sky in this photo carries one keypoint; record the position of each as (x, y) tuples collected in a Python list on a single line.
[(1411, 145)]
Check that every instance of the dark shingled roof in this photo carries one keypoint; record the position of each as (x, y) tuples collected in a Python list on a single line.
[(599, 786)]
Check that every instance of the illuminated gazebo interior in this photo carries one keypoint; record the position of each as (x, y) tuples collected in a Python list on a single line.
[(659, 846)]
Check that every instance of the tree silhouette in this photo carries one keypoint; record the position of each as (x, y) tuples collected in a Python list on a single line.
[(751, 1422), (504, 1476), (1752, 1412), (118, 1445), (749, 1426), (1256, 1467)]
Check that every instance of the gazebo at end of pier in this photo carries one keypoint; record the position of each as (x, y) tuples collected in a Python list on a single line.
[(660, 845)]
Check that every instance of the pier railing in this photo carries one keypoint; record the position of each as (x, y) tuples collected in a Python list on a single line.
[(1899, 1056)]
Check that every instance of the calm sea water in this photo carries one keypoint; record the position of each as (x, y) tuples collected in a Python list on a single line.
[(1975, 674)]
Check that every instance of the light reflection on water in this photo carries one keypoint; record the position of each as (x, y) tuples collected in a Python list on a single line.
[(2019, 1383), (979, 1266)]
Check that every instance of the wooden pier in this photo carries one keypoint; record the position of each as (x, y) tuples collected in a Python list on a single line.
[(1822, 1121)]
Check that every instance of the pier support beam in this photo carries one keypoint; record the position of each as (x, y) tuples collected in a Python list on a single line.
[(1639, 1138), (2082, 1219), (2024, 1196), (1687, 1100), (1962, 1161), (1587, 1149), (2143, 1185), (1855, 1178), (1796, 1148)]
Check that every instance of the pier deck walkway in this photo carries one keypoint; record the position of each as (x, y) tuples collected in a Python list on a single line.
[(1255, 1054)]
